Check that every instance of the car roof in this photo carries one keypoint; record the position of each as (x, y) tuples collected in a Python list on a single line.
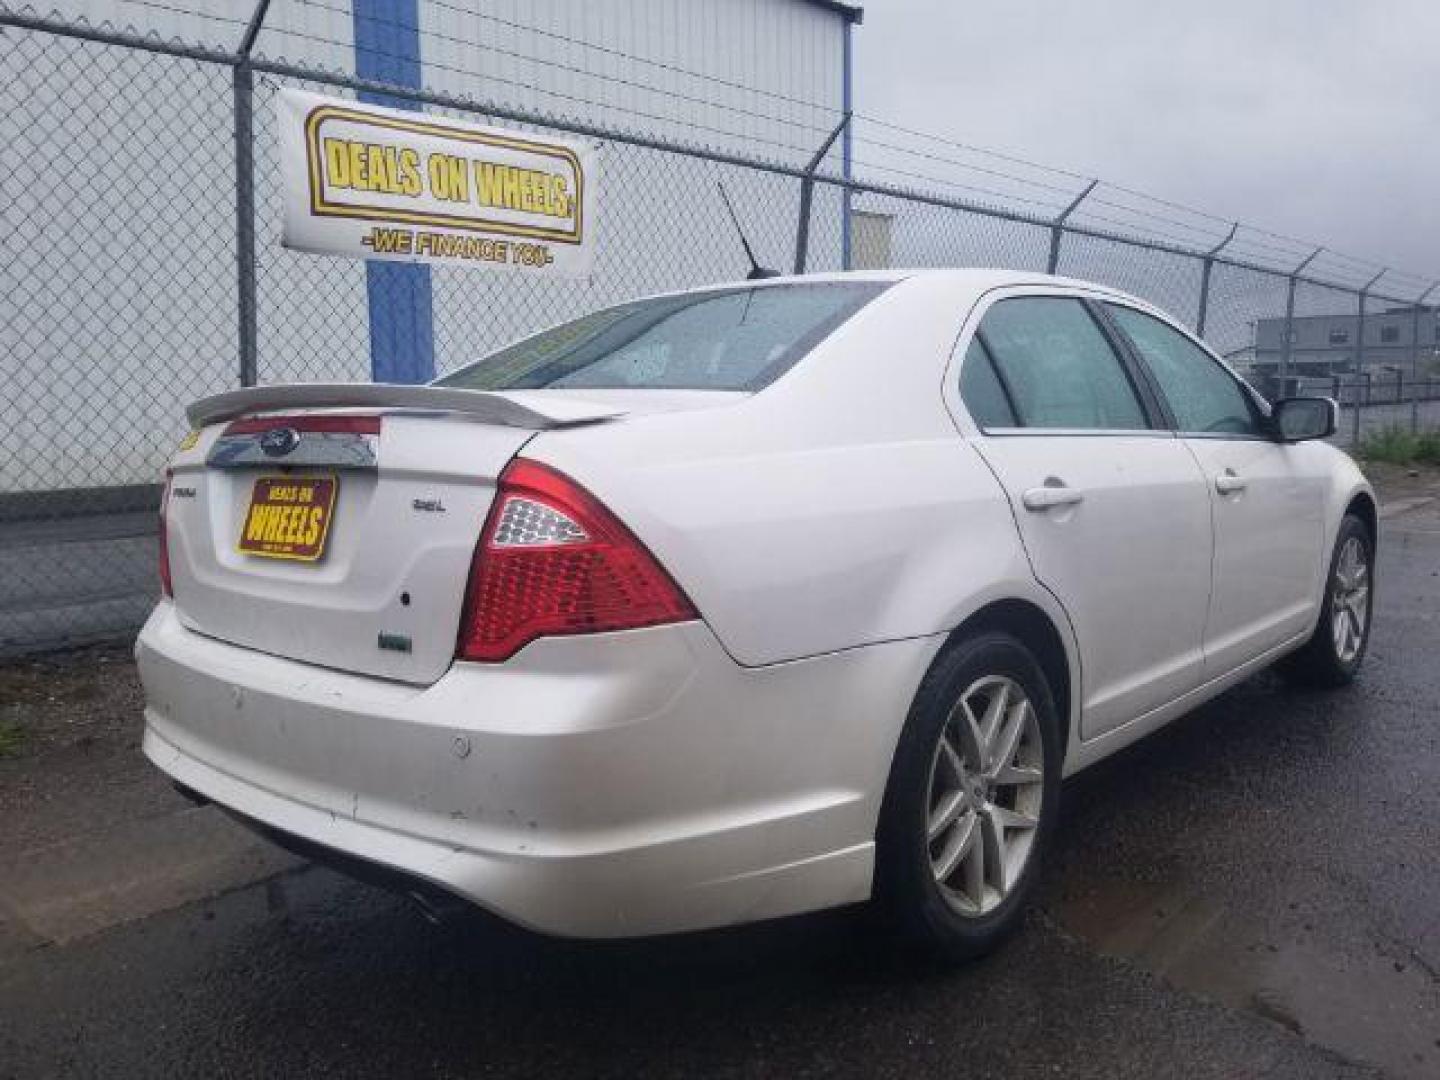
[(974, 278)]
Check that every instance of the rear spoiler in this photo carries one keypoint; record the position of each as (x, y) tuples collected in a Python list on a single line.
[(517, 408)]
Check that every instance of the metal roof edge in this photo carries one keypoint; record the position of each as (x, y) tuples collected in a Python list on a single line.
[(851, 12)]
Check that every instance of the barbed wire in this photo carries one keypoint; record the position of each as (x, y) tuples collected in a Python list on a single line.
[(556, 65), (1274, 247), (1067, 193), (189, 13), (743, 136), (947, 141), (1085, 211), (952, 185)]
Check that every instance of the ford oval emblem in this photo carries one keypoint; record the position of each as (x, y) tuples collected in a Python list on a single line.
[(277, 442)]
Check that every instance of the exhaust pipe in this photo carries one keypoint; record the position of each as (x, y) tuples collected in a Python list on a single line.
[(435, 907)]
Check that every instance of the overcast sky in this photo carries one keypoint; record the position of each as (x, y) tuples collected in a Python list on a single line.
[(1314, 118)]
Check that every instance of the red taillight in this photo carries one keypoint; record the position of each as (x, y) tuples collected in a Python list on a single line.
[(553, 560), (166, 588)]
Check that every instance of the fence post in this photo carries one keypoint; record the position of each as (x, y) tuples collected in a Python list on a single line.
[(244, 80), (1205, 267), (1057, 227), (1415, 331), (847, 152), (807, 190), (1284, 372), (1355, 420), (1360, 321)]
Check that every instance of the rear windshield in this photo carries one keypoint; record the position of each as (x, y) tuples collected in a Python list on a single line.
[(733, 339)]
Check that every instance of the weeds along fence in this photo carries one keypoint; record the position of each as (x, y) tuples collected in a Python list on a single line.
[(144, 269)]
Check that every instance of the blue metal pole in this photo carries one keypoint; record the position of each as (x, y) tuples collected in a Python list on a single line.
[(847, 94), (402, 329)]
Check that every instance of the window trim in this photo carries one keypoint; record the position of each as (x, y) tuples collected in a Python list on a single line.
[(1157, 423), (1259, 413), (1006, 390), (1158, 404)]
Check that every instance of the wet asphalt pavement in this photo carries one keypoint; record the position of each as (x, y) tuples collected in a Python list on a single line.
[(1253, 892)]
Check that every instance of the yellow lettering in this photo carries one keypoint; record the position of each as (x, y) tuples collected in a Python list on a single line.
[(448, 179), (337, 164), (410, 173), (487, 183), (510, 189), (254, 527), (529, 190), (377, 168), (355, 159), (559, 197)]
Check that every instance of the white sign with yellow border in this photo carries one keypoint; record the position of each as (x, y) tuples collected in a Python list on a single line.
[(376, 183)]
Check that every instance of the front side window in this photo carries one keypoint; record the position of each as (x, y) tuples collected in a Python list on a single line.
[(730, 339), (1055, 367), (1203, 396)]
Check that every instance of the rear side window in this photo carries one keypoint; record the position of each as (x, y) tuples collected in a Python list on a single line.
[(1204, 397), (981, 391), (1058, 367), (731, 339)]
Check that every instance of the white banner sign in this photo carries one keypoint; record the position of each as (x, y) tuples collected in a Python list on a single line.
[(376, 183)]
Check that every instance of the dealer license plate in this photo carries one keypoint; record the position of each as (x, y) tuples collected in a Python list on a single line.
[(289, 517)]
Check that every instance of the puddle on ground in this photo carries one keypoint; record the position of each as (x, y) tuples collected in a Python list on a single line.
[(1365, 1005)]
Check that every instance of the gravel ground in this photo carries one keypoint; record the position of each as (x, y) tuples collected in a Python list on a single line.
[(74, 724)]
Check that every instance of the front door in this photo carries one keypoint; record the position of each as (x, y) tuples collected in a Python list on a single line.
[(1112, 508)]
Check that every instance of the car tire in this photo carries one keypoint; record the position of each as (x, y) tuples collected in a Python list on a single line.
[(1331, 658), (957, 914)]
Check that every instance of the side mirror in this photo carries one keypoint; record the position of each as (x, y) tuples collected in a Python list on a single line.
[(1297, 419)]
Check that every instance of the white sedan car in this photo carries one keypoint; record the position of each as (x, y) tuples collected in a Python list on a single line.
[(744, 601)]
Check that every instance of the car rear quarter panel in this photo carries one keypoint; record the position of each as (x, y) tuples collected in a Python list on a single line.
[(837, 508)]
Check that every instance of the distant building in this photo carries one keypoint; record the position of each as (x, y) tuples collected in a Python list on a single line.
[(871, 239), (1329, 345)]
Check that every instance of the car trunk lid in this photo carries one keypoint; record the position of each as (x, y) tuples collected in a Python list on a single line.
[(344, 538)]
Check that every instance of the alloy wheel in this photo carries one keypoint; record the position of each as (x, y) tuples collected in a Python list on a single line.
[(1350, 600), (985, 790)]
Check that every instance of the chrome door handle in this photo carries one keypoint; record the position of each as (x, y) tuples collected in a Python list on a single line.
[(1228, 482), (1051, 495)]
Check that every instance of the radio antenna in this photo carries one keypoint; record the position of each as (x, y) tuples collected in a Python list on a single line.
[(757, 272)]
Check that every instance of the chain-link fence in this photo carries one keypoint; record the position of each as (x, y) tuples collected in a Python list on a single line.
[(144, 269)]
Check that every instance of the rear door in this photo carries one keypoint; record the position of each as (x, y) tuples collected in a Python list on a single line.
[(1267, 498), (1112, 508)]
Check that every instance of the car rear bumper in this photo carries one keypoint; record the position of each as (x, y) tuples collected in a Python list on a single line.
[(602, 786)]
